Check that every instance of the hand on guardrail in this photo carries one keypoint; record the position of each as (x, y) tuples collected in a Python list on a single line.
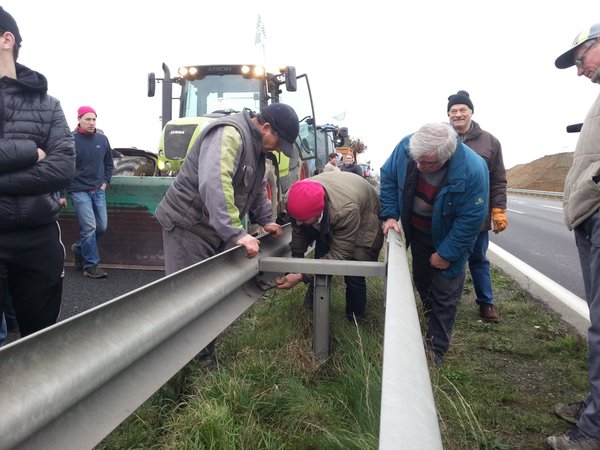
[(251, 244), (274, 229), (390, 223)]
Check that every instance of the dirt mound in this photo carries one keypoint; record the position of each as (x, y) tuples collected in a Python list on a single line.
[(544, 174)]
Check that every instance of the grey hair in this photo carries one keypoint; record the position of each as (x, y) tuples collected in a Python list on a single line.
[(437, 138)]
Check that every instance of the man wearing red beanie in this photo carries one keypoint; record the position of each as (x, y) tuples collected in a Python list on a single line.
[(339, 212), (87, 191)]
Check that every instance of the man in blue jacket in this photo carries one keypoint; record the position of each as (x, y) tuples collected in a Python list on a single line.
[(87, 191), (438, 188)]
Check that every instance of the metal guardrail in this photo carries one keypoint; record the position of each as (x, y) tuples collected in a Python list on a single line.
[(533, 193), (68, 386), (408, 416)]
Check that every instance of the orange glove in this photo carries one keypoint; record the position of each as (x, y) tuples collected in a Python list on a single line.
[(499, 220)]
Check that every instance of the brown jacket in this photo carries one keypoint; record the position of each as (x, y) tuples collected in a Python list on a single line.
[(489, 148)]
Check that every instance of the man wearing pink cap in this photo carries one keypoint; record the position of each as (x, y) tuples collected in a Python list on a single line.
[(340, 212), (87, 191)]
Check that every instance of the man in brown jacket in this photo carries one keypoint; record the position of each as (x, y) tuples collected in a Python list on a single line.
[(340, 212), (460, 113)]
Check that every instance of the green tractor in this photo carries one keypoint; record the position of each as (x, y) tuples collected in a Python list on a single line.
[(208, 92)]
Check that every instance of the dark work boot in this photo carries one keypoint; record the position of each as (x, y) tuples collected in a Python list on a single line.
[(488, 313)]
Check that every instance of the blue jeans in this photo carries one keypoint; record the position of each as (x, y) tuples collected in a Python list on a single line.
[(90, 207), (480, 270), (587, 238)]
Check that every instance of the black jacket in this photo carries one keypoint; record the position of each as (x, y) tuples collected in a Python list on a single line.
[(31, 119), (353, 168)]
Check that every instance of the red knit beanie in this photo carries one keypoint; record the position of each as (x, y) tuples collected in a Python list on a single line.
[(84, 110), (306, 199)]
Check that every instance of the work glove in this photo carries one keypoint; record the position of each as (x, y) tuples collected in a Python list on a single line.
[(499, 220)]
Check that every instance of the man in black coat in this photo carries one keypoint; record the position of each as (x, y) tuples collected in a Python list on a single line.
[(37, 160)]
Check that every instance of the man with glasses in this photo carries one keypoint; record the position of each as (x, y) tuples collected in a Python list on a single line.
[(581, 208), (460, 112), (438, 188)]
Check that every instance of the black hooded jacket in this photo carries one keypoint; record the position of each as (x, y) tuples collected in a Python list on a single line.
[(31, 119)]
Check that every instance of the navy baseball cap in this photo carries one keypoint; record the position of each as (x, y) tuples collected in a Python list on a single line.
[(566, 59), (284, 121)]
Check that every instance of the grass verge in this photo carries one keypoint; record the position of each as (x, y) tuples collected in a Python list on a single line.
[(495, 390)]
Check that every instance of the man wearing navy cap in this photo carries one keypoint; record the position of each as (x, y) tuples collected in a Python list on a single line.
[(221, 181), (37, 160), (581, 208)]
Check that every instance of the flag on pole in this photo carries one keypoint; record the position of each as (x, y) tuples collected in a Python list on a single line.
[(340, 117), (260, 32)]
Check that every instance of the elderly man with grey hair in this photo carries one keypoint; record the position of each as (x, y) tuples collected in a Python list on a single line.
[(438, 189)]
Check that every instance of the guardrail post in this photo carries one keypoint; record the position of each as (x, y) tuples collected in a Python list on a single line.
[(322, 291)]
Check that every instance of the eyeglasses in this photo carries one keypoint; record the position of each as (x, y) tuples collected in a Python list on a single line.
[(426, 163), (579, 61)]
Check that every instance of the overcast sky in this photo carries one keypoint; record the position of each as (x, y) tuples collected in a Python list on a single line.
[(389, 66)]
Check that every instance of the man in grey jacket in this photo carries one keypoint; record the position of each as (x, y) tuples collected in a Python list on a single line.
[(37, 160), (220, 183), (581, 207)]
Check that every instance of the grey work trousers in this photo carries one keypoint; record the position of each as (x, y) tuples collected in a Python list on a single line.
[(440, 295), (182, 249), (587, 238)]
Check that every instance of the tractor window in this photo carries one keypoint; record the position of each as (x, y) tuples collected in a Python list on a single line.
[(301, 101), (222, 93)]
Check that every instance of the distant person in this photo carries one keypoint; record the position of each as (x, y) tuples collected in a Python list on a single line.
[(339, 213), (203, 210), (88, 191), (439, 189), (37, 159), (350, 165), (581, 203), (332, 164), (460, 112)]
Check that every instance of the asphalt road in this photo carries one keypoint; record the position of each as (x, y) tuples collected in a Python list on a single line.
[(537, 235), (82, 293)]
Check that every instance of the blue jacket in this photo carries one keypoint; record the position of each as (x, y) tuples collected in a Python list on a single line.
[(460, 207), (94, 162)]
